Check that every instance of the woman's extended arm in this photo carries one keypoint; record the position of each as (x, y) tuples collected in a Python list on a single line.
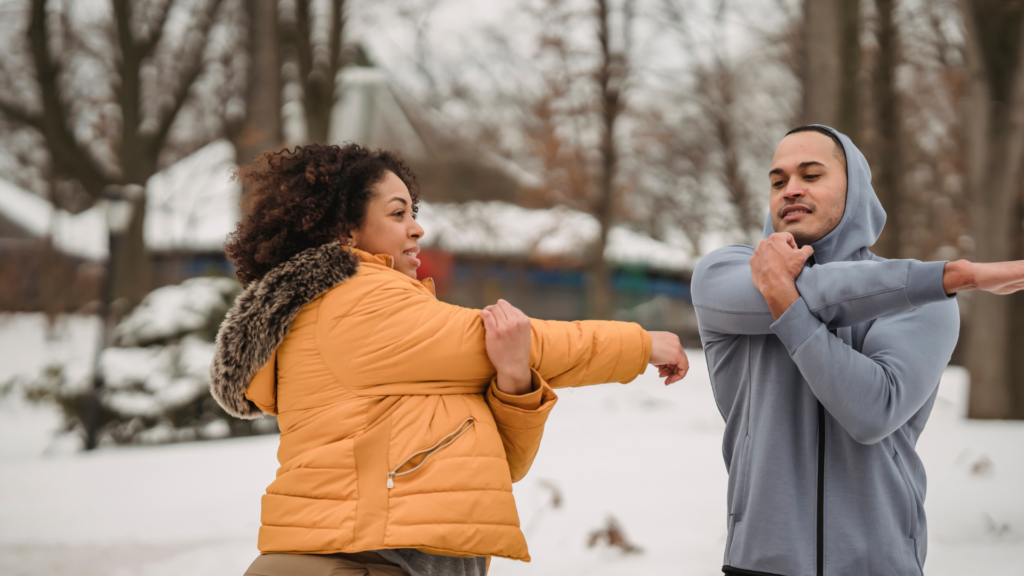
[(399, 340)]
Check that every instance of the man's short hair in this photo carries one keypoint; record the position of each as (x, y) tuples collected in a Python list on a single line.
[(839, 152)]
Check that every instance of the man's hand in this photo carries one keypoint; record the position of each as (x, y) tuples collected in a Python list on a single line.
[(668, 355), (996, 277), (774, 268), (508, 346)]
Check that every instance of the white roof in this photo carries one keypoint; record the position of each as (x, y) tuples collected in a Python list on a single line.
[(369, 114), (83, 235), (193, 204), (503, 229)]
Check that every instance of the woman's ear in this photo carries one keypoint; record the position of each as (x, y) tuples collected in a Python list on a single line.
[(347, 240)]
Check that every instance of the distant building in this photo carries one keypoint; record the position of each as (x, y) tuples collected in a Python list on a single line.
[(479, 245)]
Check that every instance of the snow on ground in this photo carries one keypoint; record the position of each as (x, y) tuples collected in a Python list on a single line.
[(648, 455)]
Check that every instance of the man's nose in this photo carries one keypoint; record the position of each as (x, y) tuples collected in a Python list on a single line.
[(794, 190)]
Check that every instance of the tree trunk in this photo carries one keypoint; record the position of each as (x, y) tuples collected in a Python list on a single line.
[(319, 66), (849, 117), (889, 122), (830, 67), (261, 129), (994, 125), (609, 77), (131, 263), (821, 67)]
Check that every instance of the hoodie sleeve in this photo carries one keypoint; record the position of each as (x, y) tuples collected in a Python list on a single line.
[(838, 294), (872, 393)]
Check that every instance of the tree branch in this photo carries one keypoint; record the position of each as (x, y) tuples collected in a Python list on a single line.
[(16, 114), (68, 158), (186, 80)]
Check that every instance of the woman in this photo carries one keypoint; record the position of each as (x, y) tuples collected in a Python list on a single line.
[(400, 436)]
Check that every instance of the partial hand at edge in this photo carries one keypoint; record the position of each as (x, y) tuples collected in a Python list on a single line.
[(668, 355), (995, 277)]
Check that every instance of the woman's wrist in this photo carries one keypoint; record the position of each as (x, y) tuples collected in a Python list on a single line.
[(958, 276), (515, 382)]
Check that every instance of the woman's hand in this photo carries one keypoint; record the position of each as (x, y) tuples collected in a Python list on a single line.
[(996, 277), (508, 346), (668, 355)]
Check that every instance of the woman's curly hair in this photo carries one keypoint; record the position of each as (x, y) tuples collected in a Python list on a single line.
[(304, 198)]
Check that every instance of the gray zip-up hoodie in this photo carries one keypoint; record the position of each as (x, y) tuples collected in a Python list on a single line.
[(823, 408)]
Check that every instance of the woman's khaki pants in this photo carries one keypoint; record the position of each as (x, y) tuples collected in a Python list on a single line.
[(361, 564)]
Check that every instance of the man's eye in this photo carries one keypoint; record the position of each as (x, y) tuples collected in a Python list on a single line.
[(811, 176), (777, 184)]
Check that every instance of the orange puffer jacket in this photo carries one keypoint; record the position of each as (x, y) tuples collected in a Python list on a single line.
[(393, 434)]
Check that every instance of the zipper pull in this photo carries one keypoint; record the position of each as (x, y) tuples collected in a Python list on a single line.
[(391, 480)]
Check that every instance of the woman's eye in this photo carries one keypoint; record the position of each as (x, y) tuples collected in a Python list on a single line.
[(400, 213)]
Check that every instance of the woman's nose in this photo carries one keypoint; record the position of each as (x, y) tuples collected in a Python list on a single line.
[(416, 231)]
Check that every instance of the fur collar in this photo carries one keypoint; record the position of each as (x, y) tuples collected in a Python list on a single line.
[(262, 316)]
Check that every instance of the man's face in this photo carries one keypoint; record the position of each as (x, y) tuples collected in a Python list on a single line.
[(808, 183)]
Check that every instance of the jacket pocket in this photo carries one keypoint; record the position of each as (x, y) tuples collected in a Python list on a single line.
[(742, 471), (442, 443), (911, 497)]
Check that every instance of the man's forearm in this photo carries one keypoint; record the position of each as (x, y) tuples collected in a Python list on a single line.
[(848, 293)]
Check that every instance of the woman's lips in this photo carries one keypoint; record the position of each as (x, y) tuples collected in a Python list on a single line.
[(412, 259)]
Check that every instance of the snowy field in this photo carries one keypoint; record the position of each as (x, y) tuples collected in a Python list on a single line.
[(647, 455)]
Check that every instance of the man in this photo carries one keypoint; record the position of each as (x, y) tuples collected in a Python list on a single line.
[(825, 362)]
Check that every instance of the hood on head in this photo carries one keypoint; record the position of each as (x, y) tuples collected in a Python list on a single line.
[(863, 219)]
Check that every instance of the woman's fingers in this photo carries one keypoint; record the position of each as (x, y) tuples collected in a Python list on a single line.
[(499, 313), (511, 312), (489, 322)]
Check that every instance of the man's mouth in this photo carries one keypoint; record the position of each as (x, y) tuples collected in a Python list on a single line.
[(794, 213)]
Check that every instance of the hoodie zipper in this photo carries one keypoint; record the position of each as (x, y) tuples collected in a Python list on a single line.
[(441, 444), (821, 484), (821, 489)]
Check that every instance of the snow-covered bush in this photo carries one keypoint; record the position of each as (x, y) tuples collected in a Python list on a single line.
[(155, 377)]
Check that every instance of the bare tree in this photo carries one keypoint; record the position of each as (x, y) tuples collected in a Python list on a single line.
[(887, 145), (611, 75), (312, 42), (994, 125), (830, 64), (261, 129), (159, 96)]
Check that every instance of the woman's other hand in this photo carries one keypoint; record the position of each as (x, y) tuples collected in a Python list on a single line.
[(508, 346), (668, 355)]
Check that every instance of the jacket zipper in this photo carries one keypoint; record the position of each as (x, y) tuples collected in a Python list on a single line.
[(441, 444)]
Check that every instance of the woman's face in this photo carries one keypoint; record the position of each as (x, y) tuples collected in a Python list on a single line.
[(389, 227)]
